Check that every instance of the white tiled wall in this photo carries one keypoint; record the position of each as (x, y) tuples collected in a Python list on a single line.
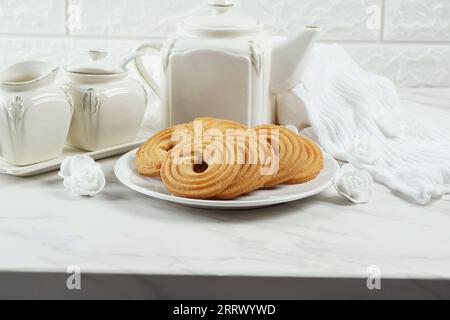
[(406, 40)]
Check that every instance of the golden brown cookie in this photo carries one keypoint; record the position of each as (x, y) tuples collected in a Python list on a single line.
[(198, 169), (209, 125), (224, 164), (250, 176), (153, 152), (311, 166), (288, 152)]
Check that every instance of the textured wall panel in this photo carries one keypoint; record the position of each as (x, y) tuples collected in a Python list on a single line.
[(61, 30), (407, 66), (350, 19), (137, 18), (344, 20), (417, 20), (32, 17), (60, 51)]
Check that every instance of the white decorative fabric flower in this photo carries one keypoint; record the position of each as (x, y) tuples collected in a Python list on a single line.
[(390, 126), (292, 128), (365, 151), (86, 180), (355, 185), (71, 164)]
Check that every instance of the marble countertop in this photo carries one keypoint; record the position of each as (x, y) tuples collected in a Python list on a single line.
[(45, 229)]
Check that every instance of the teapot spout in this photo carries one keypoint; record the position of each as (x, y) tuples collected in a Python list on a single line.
[(290, 58)]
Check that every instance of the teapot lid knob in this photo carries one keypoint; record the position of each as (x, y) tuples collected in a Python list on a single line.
[(220, 6), (220, 21)]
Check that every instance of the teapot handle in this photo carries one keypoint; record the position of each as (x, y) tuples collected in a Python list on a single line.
[(137, 57)]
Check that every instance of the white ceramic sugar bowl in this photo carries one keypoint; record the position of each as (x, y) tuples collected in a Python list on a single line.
[(109, 106), (35, 114)]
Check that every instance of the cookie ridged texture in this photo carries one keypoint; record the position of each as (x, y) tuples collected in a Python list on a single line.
[(180, 177), (288, 149), (250, 175), (153, 152), (223, 125), (311, 165)]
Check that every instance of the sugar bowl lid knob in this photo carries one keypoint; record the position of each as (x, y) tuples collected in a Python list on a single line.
[(96, 55), (96, 65)]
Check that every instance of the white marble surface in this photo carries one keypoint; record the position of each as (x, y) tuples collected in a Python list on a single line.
[(44, 229)]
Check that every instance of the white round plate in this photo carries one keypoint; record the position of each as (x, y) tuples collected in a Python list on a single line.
[(153, 187)]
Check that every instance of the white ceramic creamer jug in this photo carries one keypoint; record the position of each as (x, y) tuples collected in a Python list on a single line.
[(35, 114), (225, 65)]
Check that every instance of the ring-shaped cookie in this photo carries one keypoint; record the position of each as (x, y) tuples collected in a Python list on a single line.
[(153, 152), (288, 151), (197, 168), (250, 176), (211, 125), (311, 166)]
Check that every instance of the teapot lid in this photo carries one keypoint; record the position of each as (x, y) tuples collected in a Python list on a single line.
[(221, 21), (95, 66)]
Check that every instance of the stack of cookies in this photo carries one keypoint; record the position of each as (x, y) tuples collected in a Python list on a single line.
[(221, 159)]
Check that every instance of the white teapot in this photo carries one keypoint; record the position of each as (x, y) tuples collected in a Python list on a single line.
[(225, 65), (35, 114)]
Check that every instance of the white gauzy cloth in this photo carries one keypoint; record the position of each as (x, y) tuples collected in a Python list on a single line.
[(356, 117)]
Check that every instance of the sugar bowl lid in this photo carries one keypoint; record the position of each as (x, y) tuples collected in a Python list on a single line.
[(221, 21), (95, 66)]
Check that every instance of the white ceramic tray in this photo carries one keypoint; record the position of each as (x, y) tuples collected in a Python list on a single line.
[(51, 165), (153, 187)]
